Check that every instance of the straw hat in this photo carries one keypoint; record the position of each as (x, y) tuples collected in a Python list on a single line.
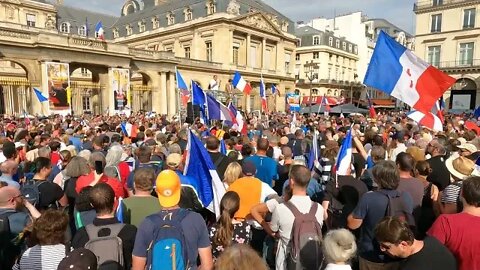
[(468, 146), (460, 167), (417, 153)]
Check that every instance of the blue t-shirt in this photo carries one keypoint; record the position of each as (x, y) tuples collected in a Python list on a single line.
[(370, 162), (77, 142), (266, 168), (194, 229)]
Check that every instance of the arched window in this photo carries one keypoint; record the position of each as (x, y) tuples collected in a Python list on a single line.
[(65, 27), (316, 40), (141, 26), (82, 31)]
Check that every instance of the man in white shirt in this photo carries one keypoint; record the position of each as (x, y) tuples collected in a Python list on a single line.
[(214, 84), (399, 137), (283, 218)]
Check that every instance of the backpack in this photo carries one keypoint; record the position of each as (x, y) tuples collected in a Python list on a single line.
[(304, 250), (11, 244), (4, 221), (108, 249), (31, 192), (396, 208), (168, 249)]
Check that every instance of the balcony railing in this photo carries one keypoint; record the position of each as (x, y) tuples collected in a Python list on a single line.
[(473, 63), (423, 4)]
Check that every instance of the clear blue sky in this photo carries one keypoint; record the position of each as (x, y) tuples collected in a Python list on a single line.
[(399, 12)]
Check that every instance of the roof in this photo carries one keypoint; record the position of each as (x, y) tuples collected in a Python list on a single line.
[(380, 22), (306, 31)]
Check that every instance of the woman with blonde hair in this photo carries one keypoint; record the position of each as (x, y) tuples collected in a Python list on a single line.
[(240, 257), (228, 230), (339, 248), (232, 173)]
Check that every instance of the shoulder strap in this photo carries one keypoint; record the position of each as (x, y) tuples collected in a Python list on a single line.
[(293, 209), (313, 209), (93, 230)]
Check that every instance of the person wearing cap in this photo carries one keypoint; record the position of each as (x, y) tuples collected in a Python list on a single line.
[(467, 149), (459, 168), (102, 198), (168, 188), (460, 233), (12, 210)]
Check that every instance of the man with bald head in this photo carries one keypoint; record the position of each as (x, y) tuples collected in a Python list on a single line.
[(266, 166), (8, 169)]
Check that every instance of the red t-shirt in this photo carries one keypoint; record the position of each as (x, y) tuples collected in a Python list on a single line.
[(54, 157), (460, 233), (85, 180)]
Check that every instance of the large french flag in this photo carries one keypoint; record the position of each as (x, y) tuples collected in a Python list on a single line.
[(240, 83), (199, 166), (428, 120), (263, 96), (182, 88), (238, 122), (344, 159), (398, 72), (217, 111)]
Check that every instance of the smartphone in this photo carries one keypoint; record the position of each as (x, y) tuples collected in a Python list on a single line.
[(99, 167)]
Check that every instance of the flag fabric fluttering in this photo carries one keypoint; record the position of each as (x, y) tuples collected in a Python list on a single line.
[(409, 79), (263, 95), (240, 83), (126, 128), (217, 111), (100, 33), (223, 147), (275, 90), (40, 96), (438, 109), (314, 155), (182, 88), (428, 120), (119, 211), (199, 98), (344, 158), (200, 167), (371, 108), (476, 113), (324, 102), (238, 122)]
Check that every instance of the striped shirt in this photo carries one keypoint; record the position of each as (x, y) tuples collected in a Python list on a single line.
[(41, 257), (451, 193)]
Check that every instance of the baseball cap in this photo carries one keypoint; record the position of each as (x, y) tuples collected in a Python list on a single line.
[(168, 188), (174, 160), (79, 259), (249, 169)]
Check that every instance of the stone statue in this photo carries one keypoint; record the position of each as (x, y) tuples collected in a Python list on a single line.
[(50, 23), (233, 8)]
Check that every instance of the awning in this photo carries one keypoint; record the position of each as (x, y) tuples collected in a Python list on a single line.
[(318, 100)]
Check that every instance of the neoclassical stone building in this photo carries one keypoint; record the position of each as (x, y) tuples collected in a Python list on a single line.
[(150, 38)]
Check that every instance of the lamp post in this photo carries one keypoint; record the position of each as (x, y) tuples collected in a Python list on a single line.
[(309, 74)]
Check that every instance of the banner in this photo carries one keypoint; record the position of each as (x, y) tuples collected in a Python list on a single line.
[(293, 102), (120, 78), (58, 77)]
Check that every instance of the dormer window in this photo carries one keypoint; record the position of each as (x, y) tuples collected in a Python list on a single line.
[(316, 40), (82, 31), (170, 18), (141, 26), (188, 14), (65, 27), (115, 33), (330, 41), (129, 29), (155, 23), (337, 43), (211, 7)]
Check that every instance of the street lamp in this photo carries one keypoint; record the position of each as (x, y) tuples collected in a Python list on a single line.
[(309, 73)]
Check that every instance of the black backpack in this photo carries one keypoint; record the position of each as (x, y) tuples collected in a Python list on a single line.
[(4, 221), (396, 208), (10, 245), (31, 192)]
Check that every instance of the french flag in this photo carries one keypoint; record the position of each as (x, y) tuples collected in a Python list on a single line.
[(240, 83), (237, 119), (398, 72), (217, 111), (200, 167), (263, 96), (274, 89), (99, 30), (344, 158), (39, 94), (428, 120), (438, 109), (325, 103), (223, 147), (183, 88), (371, 108), (199, 98), (126, 128)]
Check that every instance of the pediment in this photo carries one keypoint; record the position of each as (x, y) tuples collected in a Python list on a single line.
[(260, 21)]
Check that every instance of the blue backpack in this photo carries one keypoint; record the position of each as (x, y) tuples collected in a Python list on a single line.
[(168, 249)]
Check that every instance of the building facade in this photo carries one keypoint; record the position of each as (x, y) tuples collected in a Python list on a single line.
[(448, 37), (326, 65), (150, 38)]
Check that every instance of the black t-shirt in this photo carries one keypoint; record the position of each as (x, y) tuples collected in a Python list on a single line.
[(358, 164), (49, 194), (440, 175), (220, 165), (433, 255), (283, 171)]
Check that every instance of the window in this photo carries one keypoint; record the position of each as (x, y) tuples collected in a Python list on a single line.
[(187, 52), (84, 72), (437, 2), (86, 103), (129, 30), (82, 31), (433, 57), (266, 58), (209, 50), (115, 33), (211, 7), (316, 40), (235, 55), (141, 27), (350, 47), (170, 18), (297, 57), (316, 55), (287, 62), (65, 27), (436, 23), (466, 53), (253, 56), (188, 14), (469, 18), (344, 46), (155, 23), (355, 49), (337, 43), (31, 20), (330, 41)]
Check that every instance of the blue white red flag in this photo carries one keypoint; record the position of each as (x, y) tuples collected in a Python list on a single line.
[(200, 167), (274, 89), (396, 71), (217, 111), (263, 95), (223, 147), (40, 96), (371, 108), (428, 120), (438, 109), (126, 128), (99, 30), (325, 103), (238, 122), (182, 88), (240, 83), (314, 155), (344, 158)]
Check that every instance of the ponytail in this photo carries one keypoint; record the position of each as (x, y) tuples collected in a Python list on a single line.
[(223, 235)]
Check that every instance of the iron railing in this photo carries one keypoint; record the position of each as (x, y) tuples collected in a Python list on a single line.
[(470, 63), (423, 4)]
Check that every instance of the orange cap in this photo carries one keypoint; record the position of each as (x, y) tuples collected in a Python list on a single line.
[(168, 188)]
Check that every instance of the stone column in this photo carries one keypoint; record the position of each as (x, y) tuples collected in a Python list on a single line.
[(247, 53), (106, 94), (172, 95), (163, 93), (156, 89)]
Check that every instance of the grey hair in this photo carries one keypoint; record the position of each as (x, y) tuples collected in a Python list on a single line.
[(85, 154), (339, 246), (44, 152), (114, 155)]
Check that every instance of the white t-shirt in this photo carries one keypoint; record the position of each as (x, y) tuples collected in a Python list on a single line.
[(213, 85)]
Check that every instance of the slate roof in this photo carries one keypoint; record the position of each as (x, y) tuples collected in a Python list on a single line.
[(306, 34)]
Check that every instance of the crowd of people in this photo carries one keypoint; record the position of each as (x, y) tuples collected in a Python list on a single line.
[(80, 193)]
